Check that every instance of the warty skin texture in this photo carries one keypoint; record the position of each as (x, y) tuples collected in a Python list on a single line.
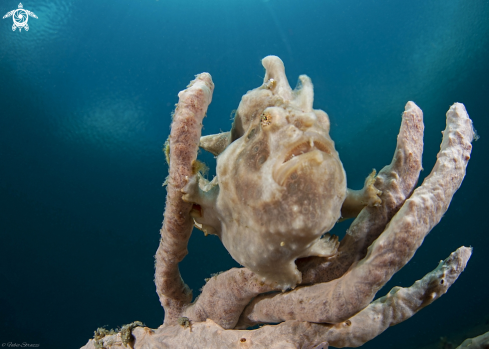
[(280, 184), (380, 241)]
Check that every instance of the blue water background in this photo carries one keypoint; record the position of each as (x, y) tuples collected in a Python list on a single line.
[(86, 97)]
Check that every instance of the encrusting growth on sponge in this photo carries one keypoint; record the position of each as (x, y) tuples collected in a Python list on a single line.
[(280, 187)]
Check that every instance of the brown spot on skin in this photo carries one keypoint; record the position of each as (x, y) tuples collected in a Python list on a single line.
[(292, 188), (258, 155), (242, 340), (252, 133)]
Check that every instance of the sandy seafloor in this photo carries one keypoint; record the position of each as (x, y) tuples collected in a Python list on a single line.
[(86, 97)]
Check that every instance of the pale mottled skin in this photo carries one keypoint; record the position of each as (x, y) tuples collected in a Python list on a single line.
[(280, 184), (332, 305)]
